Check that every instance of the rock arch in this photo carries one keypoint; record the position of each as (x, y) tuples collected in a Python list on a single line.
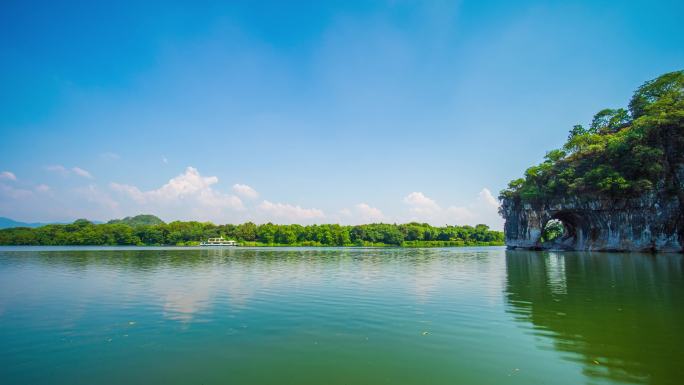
[(641, 224)]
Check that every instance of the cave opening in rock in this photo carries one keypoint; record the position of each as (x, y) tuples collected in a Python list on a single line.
[(561, 231), (553, 231)]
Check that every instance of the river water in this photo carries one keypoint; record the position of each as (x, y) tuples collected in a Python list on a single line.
[(339, 316)]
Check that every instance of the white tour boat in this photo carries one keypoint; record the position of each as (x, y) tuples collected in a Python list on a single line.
[(220, 241)]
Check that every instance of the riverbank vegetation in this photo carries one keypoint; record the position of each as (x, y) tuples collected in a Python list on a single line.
[(623, 153), (149, 231)]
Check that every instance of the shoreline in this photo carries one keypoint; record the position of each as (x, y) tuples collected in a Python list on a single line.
[(264, 246)]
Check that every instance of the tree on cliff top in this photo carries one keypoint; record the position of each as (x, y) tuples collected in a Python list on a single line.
[(623, 153)]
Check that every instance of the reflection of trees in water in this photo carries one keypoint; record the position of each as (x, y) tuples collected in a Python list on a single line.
[(150, 259), (624, 311), (191, 281)]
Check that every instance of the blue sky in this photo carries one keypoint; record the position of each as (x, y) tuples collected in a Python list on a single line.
[(305, 112)]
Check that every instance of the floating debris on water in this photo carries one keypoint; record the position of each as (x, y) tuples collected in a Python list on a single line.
[(514, 371)]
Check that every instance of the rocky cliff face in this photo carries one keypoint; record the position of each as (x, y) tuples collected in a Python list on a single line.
[(652, 222)]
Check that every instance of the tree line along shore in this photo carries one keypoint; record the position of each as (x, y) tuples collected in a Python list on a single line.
[(148, 230)]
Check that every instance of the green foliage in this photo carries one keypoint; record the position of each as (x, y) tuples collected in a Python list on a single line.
[(667, 87), (623, 153), (138, 220), (609, 120), (83, 232), (553, 229)]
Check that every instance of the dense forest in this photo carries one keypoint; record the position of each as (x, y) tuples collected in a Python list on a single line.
[(150, 230), (623, 153)]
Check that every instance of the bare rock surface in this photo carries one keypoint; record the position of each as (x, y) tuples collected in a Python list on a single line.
[(652, 222)]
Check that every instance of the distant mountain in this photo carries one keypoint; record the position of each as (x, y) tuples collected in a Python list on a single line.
[(138, 220), (6, 223)]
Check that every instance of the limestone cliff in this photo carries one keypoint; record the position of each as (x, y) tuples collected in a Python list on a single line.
[(648, 223), (653, 221)]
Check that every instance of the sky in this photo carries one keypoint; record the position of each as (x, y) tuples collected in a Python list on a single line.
[(305, 112)]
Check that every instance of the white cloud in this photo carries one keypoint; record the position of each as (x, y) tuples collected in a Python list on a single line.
[(93, 194), (164, 160), (110, 156), (14, 193), (245, 191), (368, 214), (188, 185), (61, 170), (57, 169), (131, 191), (7, 175), (44, 204), (361, 213), (458, 215), (487, 209), (421, 204), (188, 195), (483, 209), (289, 213), (486, 197), (81, 172)]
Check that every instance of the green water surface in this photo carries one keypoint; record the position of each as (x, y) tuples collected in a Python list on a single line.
[(339, 316)]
